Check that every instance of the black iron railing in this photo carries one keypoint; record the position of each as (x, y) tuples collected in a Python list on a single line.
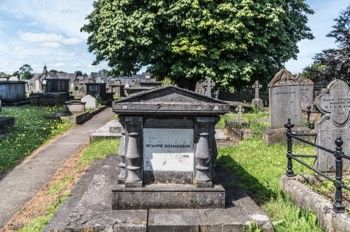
[(338, 154)]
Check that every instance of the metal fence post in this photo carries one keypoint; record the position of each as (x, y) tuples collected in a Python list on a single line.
[(289, 127), (338, 205)]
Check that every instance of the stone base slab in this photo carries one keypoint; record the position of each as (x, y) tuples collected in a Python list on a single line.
[(89, 208), (78, 118), (168, 196)]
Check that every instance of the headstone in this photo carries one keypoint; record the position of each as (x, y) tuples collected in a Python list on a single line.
[(284, 104), (167, 150), (98, 80), (334, 103), (306, 92), (208, 84), (90, 101), (239, 109), (199, 87), (257, 102)]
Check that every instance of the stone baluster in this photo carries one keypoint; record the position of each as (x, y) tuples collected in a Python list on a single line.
[(121, 152), (203, 156), (133, 152)]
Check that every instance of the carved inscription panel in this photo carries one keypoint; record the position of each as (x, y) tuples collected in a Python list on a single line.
[(168, 149), (284, 104), (336, 102)]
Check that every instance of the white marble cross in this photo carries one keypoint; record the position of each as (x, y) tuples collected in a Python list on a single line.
[(239, 109)]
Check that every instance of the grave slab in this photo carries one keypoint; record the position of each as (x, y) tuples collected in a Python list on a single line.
[(89, 208), (168, 196)]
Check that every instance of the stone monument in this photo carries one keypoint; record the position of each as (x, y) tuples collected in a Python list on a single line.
[(257, 102), (208, 85), (284, 101), (334, 103), (167, 150), (239, 109)]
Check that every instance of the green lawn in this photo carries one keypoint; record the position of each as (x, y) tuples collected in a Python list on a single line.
[(30, 131), (258, 167)]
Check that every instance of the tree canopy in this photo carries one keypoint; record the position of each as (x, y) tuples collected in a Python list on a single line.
[(334, 63), (231, 41), (25, 72)]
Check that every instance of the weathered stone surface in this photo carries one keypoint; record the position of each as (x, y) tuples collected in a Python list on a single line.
[(306, 92), (168, 196), (75, 106), (89, 208), (97, 90), (169, 100), (12, 91), (91, 102), (51, 99), (284, 100), (334, 103), (78, 118), (309, 200)]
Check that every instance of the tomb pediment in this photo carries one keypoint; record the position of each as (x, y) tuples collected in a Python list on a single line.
[(170, 100), (283, 77)]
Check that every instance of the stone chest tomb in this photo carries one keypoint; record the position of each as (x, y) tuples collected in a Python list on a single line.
[(168, 150)]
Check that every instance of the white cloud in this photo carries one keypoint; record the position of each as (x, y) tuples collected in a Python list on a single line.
[(51, 45), (71, 41), (57, 65), (49, 39), (64, 16)]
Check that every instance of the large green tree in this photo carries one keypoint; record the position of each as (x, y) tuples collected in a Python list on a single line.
[(231, 41)]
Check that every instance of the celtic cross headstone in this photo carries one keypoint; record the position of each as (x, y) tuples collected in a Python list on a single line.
[(257, 102), (239, 109), (208, 84)]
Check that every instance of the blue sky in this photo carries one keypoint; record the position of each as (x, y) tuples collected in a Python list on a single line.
[(38, 32)]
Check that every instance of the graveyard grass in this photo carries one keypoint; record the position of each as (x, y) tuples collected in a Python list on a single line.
[(258, 167), (30, 131)]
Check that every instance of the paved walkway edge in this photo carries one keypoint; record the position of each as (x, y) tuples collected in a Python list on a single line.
[(28, 178)]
